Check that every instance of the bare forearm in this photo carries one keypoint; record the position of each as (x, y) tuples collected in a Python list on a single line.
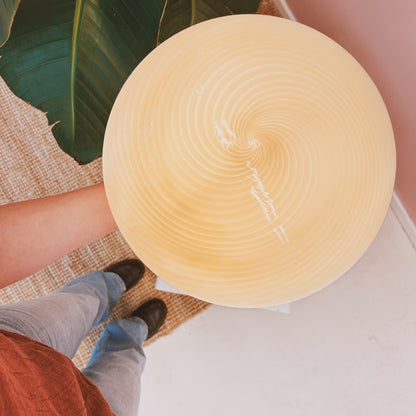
[(38, 232)]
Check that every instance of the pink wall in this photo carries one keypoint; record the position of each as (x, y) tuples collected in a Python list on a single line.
[(381, 34)]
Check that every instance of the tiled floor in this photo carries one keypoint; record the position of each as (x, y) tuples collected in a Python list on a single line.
[(347, 350)]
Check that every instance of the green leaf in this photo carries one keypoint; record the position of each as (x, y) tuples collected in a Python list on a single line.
[(180, 14), (7, 11), (70, 59)]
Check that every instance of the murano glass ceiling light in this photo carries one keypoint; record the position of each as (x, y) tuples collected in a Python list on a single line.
[(249, 161)]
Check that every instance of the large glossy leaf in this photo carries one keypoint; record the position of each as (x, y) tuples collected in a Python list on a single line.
[(180, 14), (70, 59), (7, 11)]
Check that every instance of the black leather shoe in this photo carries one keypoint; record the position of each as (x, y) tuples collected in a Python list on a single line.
[(153, 312), (130, 270)]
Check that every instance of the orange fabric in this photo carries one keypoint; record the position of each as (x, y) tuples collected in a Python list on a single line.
[(37, 380)]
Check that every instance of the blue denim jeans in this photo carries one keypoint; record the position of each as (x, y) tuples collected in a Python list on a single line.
[(63, 319)]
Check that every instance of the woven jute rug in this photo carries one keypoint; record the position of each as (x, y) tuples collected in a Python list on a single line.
[(33, 166)]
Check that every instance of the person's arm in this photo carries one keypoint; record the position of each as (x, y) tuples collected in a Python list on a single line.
[(38, 232)]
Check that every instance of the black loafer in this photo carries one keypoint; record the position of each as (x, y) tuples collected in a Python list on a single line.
[(130, 270), (153, 312)]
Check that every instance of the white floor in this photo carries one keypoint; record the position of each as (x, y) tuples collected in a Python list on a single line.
[(347, 350)]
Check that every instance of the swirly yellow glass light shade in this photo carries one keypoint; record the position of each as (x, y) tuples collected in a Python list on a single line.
[(249, 161)]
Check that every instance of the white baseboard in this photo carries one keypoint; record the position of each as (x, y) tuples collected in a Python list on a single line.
[(404, 219), (284, 9)]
